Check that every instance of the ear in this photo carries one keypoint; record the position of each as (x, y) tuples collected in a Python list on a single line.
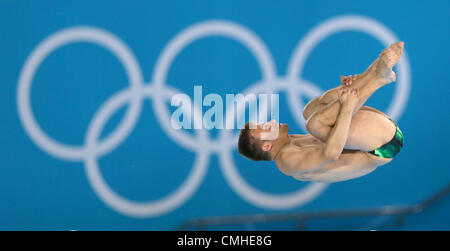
[(266, 146)]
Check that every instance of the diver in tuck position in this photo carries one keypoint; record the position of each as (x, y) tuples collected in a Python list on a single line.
[(347, 140)]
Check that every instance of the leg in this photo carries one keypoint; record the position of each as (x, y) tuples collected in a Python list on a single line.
[(322, 120), (319, 103), (380, 69), (369, 128), (331, 95), (320, 123)]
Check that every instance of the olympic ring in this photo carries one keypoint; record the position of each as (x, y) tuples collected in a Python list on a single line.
[(87, 34), (201, 144)]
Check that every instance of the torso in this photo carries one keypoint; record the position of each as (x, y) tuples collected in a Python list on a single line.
[(305, 140), (351, 164)]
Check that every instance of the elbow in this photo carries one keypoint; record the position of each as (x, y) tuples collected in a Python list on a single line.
[(332, 155)]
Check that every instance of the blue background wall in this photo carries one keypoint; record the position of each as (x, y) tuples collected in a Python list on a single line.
[(41, 191)]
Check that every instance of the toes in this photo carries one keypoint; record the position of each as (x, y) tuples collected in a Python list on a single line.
[(398, 47), (399, 44)]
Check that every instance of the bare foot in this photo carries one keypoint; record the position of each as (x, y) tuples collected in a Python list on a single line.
[(382, 67)]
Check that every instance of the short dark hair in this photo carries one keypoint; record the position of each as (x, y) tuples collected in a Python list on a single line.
[(250, 147)]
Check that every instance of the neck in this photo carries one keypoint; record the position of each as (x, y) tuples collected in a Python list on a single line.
[(278, 145)]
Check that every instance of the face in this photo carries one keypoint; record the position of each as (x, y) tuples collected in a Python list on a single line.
[(269, 131)]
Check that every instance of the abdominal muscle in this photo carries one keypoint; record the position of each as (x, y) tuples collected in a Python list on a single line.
[(350, 165)]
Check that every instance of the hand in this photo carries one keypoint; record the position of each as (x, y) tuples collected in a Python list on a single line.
[(348, 80), (349, 97)]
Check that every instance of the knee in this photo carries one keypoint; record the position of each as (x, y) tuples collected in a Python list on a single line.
[(310, 108), (313, 124)]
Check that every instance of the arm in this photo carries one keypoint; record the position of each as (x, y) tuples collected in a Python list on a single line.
[(339, 133), (312, 158)]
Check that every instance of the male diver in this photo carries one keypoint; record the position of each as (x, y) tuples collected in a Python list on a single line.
[(347, 140)]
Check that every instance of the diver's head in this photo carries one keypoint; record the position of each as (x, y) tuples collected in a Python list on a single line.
[(262, 141)]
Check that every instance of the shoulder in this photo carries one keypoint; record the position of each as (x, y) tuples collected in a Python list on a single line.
[(294, 159), (288, 157)]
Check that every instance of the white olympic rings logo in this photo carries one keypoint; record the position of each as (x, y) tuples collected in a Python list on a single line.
[(159, 92)]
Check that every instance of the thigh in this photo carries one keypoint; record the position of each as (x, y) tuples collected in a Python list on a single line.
[(368, 108), (369, 130), (312, 106), (320, 102)]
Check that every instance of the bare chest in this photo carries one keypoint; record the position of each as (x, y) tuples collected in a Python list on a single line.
[(305, 140)]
